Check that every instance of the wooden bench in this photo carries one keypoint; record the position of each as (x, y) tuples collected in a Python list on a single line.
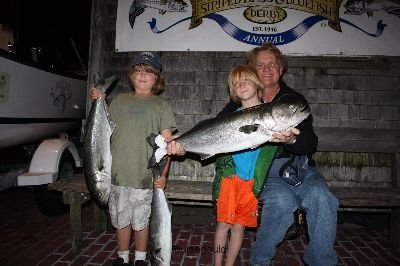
[(342, 140), (75, 193), (330, 140)]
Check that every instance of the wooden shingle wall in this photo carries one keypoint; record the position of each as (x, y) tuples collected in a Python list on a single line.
[(342, 92)]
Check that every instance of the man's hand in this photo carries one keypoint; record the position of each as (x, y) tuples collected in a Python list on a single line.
[(288, 136), (175, 148), (161, 182)]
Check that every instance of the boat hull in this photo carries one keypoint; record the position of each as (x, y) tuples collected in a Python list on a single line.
[(37, 104)]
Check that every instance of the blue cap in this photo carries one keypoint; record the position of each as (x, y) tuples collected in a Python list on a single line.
[(147, 58)]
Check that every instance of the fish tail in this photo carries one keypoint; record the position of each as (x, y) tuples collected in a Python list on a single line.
[(151, 139)]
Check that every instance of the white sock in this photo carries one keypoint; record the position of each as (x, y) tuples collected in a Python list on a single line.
[(140, 255), (124, 255)]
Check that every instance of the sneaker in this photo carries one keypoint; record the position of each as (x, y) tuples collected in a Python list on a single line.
[(120, 262), (140, 263)]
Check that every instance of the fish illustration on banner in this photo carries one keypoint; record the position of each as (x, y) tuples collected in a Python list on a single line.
[(188, 25), (138, 7), (355, 7)]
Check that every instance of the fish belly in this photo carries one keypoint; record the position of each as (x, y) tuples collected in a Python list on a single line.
[(97, 157), (160, 229)]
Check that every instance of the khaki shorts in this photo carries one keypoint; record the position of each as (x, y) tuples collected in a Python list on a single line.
[(130, 206)]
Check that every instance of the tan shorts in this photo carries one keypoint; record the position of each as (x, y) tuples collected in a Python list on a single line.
[(130, 206)]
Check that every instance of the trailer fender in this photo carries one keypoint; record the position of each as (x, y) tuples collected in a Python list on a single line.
[(45, 162), (47, 156)]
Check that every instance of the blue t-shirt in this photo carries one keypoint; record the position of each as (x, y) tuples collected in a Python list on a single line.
[(245, 163)]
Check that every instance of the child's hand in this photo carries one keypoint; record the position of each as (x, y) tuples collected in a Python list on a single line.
[(161, 182), (95, 94), (175, 148)]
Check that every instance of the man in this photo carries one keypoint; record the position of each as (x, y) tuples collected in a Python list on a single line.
[(285, 190)]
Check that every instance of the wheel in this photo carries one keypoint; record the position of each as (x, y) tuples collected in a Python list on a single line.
[(50, 202)]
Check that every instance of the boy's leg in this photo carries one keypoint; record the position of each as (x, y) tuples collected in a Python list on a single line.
[(141, 199), (120, 212), (141, 241), (124, 238), (221, 233), (235, 243)]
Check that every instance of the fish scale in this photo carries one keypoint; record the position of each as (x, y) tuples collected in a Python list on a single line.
[(244, 129), (97, 157), (160, 220)]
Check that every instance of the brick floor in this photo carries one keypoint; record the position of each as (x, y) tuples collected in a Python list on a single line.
[(29, 238)]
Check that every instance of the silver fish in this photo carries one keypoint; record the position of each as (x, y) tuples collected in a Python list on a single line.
[(357, 7), (244, 129), (163, 6), (97, 157), (160, 219)]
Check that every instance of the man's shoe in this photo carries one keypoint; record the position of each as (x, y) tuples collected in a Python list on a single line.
[(140, 263), (120, 262)]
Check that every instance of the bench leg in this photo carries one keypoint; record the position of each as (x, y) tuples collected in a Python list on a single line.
[(99, 219), (394, 236), (75, 213)]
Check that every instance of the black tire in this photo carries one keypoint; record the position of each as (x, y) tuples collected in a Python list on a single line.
[(50, 202)]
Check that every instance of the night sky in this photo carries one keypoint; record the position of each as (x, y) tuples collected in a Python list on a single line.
[(50, 24)]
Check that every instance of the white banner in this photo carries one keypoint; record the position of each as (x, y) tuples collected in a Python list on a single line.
[(297, 27)]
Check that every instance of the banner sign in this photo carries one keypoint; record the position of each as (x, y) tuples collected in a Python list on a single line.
[(298, 27)]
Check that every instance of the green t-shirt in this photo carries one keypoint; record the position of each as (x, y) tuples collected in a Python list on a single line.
[(136, 118)]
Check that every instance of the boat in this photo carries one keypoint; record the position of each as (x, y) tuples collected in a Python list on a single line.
[(37, 102)]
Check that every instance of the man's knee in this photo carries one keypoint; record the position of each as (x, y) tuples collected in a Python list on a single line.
[(283, 200), (320, 194)]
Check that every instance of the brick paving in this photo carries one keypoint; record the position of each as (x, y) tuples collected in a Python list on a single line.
[(29, 238)]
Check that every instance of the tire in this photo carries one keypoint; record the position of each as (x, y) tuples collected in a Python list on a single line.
[(50, 202)]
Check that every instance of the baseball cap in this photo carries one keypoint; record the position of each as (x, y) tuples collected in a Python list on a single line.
[(147, 58)]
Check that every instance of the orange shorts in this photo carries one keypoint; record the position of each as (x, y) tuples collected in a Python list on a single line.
[(236, 202)]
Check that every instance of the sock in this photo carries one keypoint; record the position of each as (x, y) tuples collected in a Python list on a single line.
[(140, 255), (124, 255)]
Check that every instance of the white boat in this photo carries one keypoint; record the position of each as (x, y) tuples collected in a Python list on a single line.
[(36, 103)]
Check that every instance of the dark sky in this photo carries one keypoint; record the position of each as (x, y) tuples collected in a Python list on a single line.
[(50, 24)]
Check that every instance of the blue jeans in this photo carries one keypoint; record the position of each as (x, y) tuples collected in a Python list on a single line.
[(280, 200)]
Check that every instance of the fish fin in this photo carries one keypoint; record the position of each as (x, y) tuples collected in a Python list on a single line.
[(151, 139), (204, 156), (112, 125), (170, 208), (103, 84), (135, 10), (157, 256), (248, 129)]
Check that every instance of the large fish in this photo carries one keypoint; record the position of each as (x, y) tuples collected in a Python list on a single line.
[(163, 6), (97, 158), (357, 7), (160, 219), (244, 129)]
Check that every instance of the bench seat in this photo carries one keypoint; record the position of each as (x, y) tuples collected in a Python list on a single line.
[(199, 193)]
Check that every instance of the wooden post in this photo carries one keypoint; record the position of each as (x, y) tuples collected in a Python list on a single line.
[(99, 218), (75, 213), (394, 235)]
